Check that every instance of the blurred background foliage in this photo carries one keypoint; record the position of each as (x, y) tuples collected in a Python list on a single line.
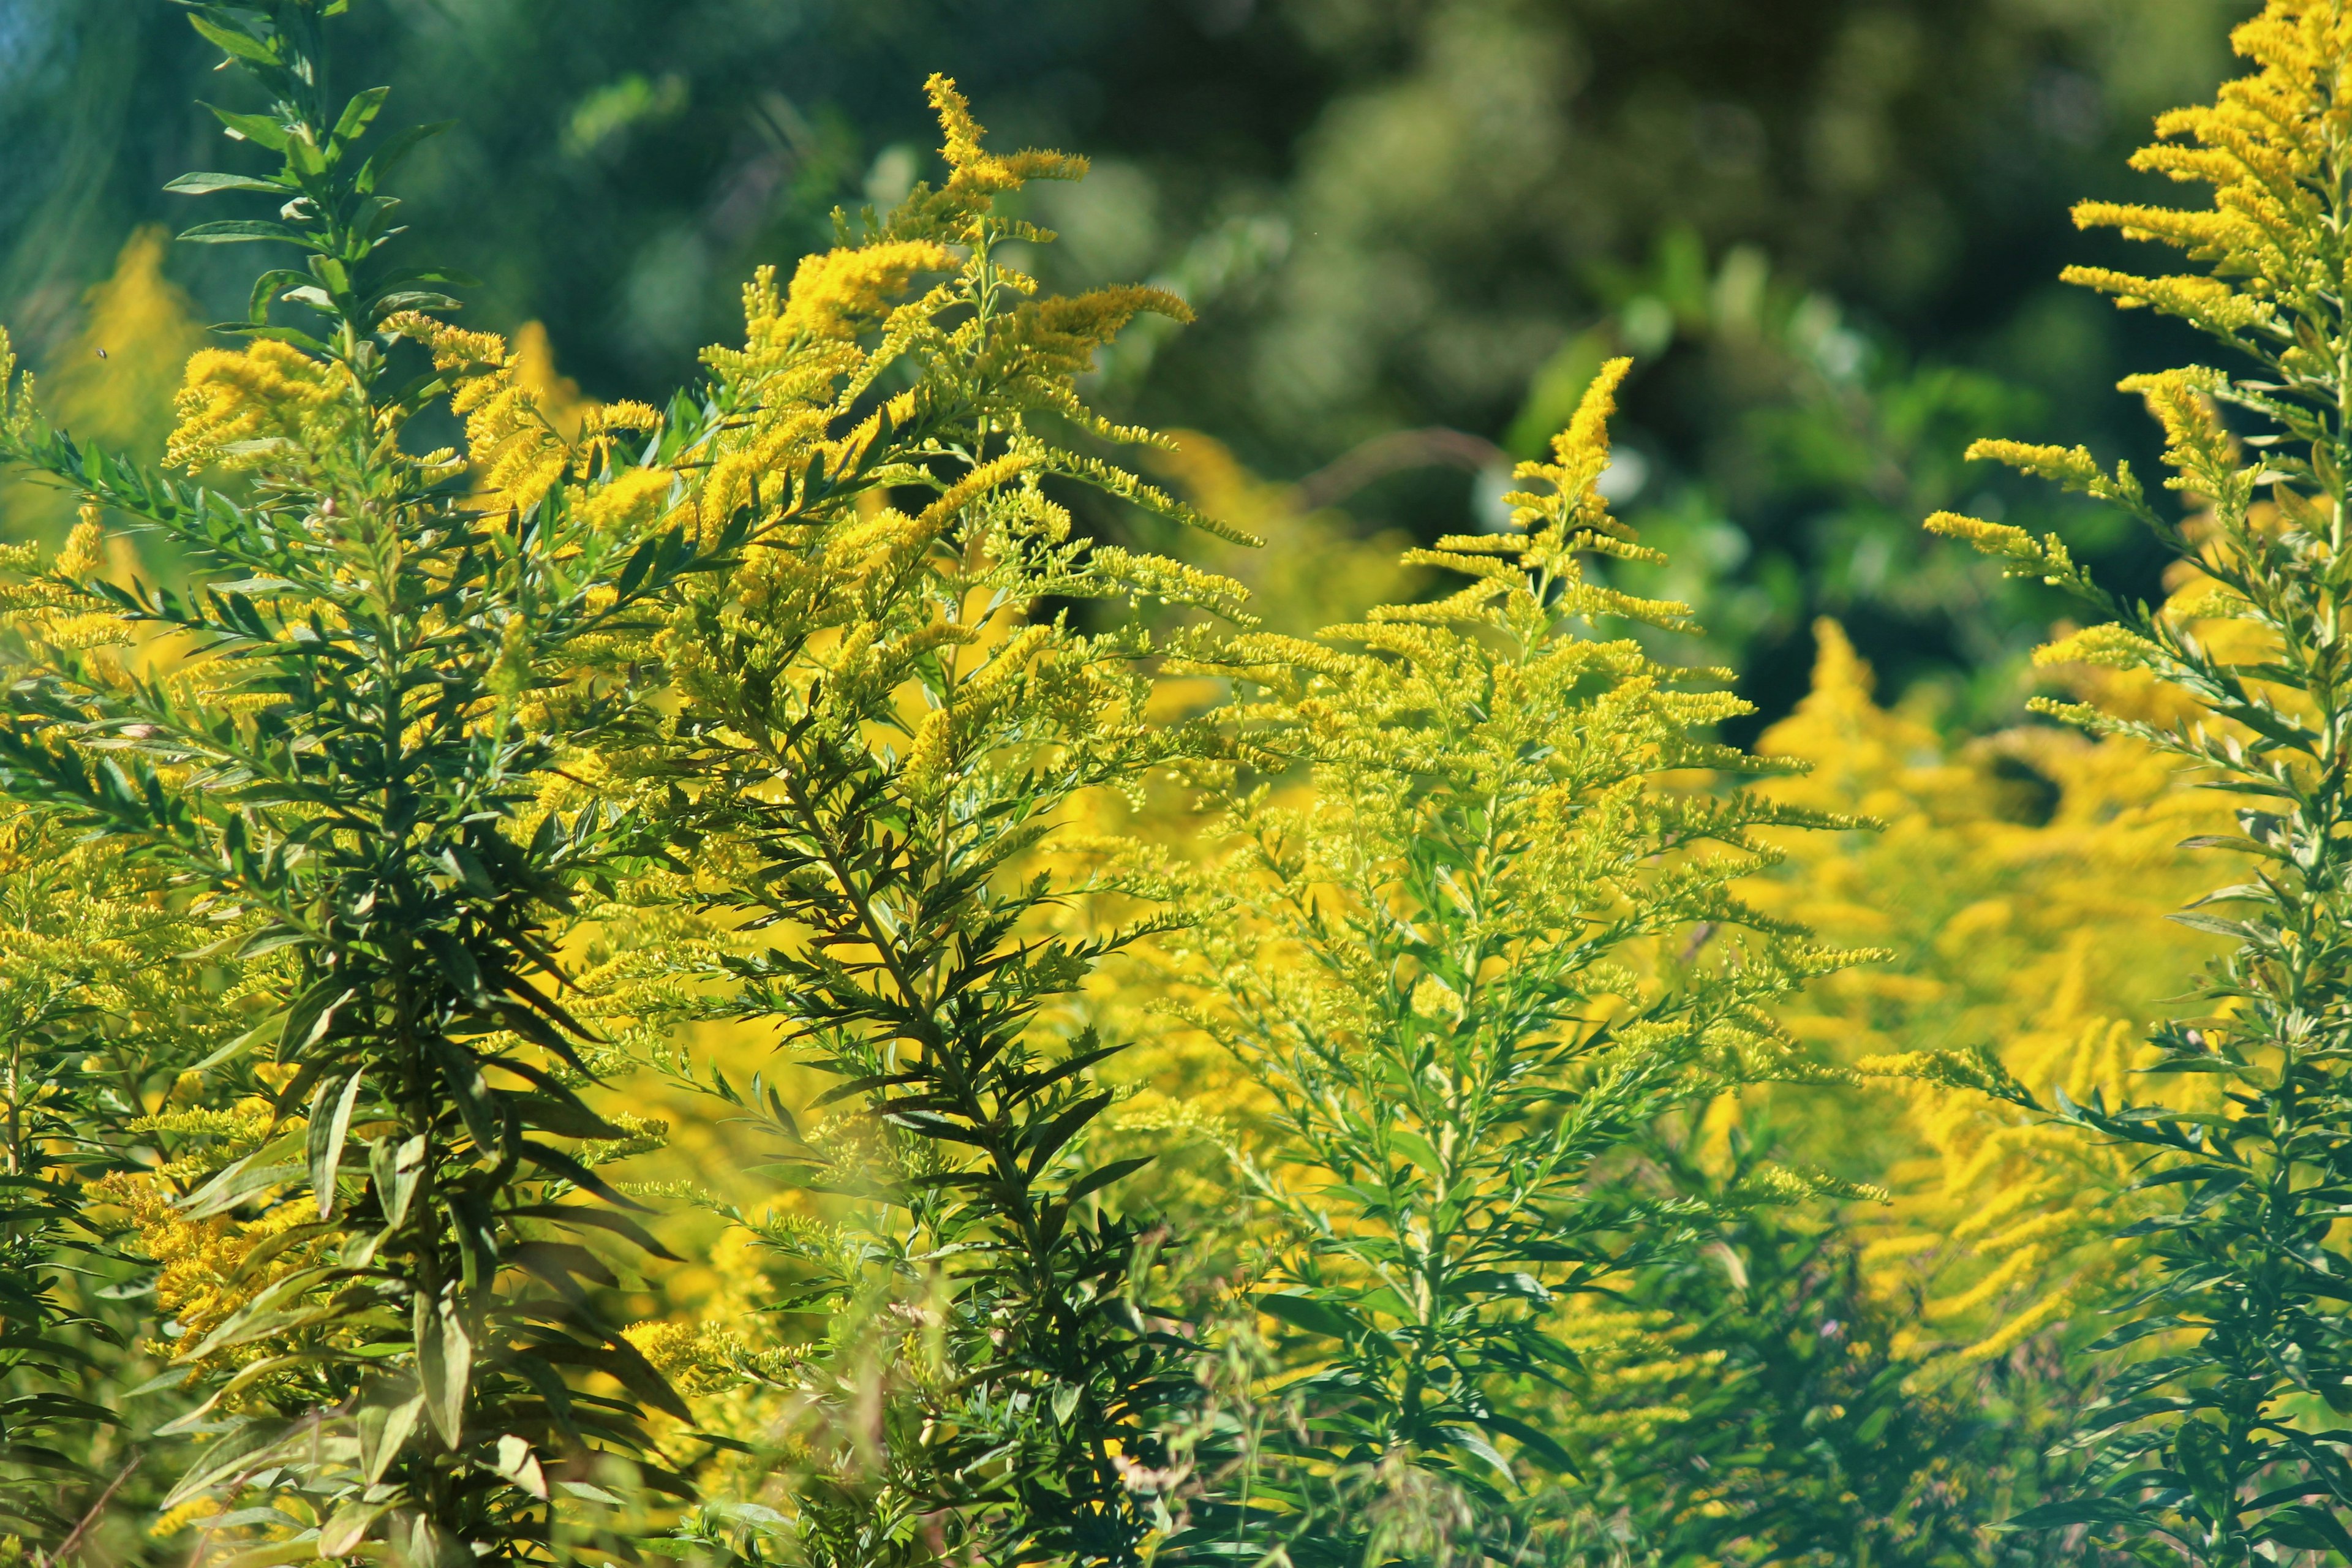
[(1829, 228)]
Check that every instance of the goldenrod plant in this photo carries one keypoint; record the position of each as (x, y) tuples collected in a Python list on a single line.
[(2219, 1438), (886, 720), (1495, 942), (48, 1014), (1897, 1377), (2002, 865), (336, 755)]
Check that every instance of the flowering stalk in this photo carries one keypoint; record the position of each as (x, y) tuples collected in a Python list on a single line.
[(883, 736), (2224, 1443), (1437, 969)]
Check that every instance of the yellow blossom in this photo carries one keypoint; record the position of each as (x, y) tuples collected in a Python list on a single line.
[(239, 407)]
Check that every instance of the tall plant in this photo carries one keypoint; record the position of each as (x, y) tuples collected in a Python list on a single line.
[(2221, 1438), (340, 731), (888, 721), (1489, 950)]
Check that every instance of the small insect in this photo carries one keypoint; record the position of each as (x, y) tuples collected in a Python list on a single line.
[(101, 353)]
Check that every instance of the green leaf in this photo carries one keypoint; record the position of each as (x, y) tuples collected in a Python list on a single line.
[(1102, 1176), (2306, 1527), (242, 45), (313, 1014), (396, 1167), (236, 231), (1534, 1439), (1415, 1148), (2073, 1511), (267, 285), (445, 1366), (360, 113), (261, 130), (1465, 1438), (1048, 1141), (520, 1465), (2201, 1452), (328, 1132), (206, 183), (315, 347), (1314, 1316), (599, 1219), (463, 1074), (384, 1430), (247, 1178), (348, 1526), (2237, 930)]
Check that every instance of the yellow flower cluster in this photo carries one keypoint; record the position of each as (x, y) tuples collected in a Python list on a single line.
[(2003, 869), (839, 293), (979, 176), (204, 1266), (2272, 146), (515, 423), (2046, 557), (240, 407)]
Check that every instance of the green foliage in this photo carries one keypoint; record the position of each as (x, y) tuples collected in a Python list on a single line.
[(1775, 1408)]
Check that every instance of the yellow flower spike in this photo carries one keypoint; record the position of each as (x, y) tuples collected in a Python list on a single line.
[(2117, 648), (622, 414), (987, 476), (841, 292), (631, 501), (85, 548), (980, 174), (1992, 538), (927, 757), (964, 137), (517, 439), (2072, 466), (237, 406), (1579, 453)]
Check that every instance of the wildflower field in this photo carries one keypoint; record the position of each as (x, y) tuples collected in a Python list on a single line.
[(867, 960)]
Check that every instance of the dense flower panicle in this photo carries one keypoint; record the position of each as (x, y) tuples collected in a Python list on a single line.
[(839, 293), (2272, 147), (520, 447), (241, 408)]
